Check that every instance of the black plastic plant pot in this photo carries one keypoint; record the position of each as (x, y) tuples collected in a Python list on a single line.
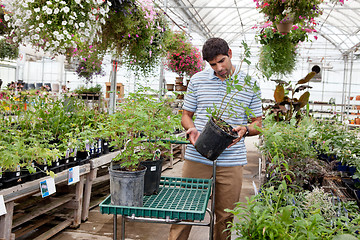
[(213, 140), (82, 155), (152, 176), (105, 147)]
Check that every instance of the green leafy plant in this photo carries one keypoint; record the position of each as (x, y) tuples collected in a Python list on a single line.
[(134, 34), (288, 146), (286, 105), (8, 50), (83, 89), (278, 50), (279, 213), (141, 126)]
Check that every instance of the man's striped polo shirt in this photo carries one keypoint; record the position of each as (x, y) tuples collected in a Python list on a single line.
[(204, 90)]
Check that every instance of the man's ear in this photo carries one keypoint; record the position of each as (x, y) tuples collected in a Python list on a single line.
[(230, 53)]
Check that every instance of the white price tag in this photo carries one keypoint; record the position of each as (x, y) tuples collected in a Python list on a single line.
[(47, 187), (73, 175), (2, 206), (153, 169)]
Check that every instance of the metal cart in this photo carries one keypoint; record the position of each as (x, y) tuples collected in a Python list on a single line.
[(178, 201)]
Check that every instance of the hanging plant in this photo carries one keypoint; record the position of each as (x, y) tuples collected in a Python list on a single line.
[(88, 61), (134, 33), (301, 12), (278, 50), (55, 25), (183, 58), (144, 51), (8, 50)]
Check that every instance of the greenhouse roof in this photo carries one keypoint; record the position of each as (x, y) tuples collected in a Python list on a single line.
[(235, 20)]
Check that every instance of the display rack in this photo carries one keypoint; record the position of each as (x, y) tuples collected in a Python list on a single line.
[(72, 200), (181, 201)]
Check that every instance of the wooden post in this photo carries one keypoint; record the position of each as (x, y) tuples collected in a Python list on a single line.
[(183, 148), (87, 193), (79, 191), (6, 221)]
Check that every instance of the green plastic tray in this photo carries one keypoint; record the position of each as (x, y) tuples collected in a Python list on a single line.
[(178, 198)]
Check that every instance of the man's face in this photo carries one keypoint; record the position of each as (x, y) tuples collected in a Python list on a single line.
[(222, 65)]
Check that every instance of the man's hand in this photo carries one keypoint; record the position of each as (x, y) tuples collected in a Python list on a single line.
[(241, 130), (193, 135)]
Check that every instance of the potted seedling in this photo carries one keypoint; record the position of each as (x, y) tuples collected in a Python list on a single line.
[(217, 134), (141, 128)]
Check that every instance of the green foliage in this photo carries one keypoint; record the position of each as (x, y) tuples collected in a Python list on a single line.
[(140, 127), (278, 50), (83, 89), (288, 146), (8, 50), (131, 37), (333, 139), (43, 130), (279, 213), (286, 105)]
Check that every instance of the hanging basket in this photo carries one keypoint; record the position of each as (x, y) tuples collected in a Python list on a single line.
[(284, 26)]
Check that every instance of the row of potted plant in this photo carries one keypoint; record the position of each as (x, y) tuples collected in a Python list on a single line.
[(50, 129)]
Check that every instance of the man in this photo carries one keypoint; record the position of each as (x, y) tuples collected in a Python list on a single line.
[(205, 89)]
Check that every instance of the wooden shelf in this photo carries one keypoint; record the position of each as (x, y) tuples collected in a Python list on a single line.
[(29, 189), (119, 90)]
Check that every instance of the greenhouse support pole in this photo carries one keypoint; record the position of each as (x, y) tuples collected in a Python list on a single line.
[(61, 69), (162, 79), (344, 84), (112, 100), (43, 70), (350, 82)]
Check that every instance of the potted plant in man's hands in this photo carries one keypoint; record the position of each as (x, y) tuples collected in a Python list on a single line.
[(140, 128), (217, 134)]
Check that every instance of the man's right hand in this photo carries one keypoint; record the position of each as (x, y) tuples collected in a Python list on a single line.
[(193, 135)]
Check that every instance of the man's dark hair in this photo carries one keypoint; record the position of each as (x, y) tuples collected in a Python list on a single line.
[(214, 47)]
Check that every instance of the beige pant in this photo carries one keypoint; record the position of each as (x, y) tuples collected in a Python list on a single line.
[(227, 193)]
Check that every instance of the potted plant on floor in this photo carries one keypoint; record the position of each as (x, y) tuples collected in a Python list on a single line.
[(139, 129), (217, 135)]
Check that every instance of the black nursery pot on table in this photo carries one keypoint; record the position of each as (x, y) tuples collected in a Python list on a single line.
[(152, 176), (213, 140)]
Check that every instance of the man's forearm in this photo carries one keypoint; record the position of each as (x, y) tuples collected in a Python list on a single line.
[(252, 129), (187, 123), (186, 120)]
